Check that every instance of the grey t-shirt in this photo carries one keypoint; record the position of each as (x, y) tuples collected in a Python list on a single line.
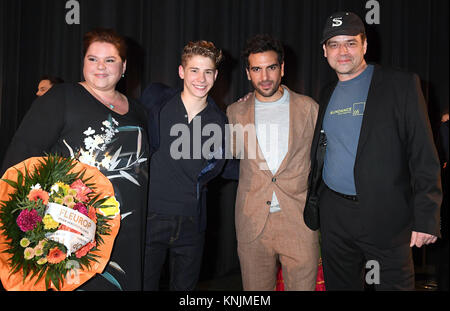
[(272, 131), (342, 126)]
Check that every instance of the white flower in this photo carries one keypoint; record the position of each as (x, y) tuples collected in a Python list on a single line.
[(98, 140), (89, 131), (54, 189), (36, 187), (89, 143), (86, 157), (106, 162)]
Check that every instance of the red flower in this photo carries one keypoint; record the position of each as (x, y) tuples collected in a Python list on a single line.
[(65, 228), (92, 214), (55, 256), (81, 208), (38, 194), (27, 220), (82, 190), (85, 249)]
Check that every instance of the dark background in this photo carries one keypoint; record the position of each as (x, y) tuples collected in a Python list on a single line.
[(36, 40)]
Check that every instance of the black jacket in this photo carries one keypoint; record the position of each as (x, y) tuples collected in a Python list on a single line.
[(397, 174), (155, 96)]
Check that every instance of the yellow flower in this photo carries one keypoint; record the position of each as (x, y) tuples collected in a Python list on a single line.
[(24, 242), (38, 251), (28, 253), (42, 243), (112, 208), (49, 222), (72, 192), (64, 187), (68, 199), (42, 261)]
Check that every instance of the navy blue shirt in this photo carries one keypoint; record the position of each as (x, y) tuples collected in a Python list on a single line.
[(342, 126)]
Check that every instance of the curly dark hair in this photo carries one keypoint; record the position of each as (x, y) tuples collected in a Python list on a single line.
[(263, 43), (53, 80)]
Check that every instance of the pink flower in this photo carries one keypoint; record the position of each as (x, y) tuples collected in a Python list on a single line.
[(80, 207), (27, 220), (82, 190)]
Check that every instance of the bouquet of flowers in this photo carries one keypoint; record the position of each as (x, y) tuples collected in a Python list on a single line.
[(60, 219)]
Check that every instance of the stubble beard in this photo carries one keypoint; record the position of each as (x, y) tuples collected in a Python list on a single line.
[(268, 93)]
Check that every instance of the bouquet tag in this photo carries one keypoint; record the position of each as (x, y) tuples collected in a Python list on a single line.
[(71, 240), (74, 220)]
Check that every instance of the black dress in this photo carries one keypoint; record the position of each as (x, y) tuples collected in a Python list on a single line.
[(68, 120)]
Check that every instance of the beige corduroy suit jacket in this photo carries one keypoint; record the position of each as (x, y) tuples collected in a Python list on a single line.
[(256, 181)]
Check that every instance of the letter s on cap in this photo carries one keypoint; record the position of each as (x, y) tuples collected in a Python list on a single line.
[(337, 22)]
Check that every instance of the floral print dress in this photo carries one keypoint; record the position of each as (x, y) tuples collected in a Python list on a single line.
[(69, 121)]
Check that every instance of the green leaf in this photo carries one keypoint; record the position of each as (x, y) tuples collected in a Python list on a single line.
[(41, 274), (10, 182), (48, 171)]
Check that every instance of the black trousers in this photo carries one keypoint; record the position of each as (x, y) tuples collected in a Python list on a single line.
[(350, 262), (179, 237)]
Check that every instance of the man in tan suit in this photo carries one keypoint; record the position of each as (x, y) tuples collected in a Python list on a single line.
[(271, 133)]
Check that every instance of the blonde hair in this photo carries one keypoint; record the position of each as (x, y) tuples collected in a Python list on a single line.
[(202, 48)]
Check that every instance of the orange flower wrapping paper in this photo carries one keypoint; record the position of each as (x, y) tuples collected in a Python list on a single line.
[(76, 278)]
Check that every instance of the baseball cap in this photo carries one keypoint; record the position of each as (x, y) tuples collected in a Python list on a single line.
[(342, 23)]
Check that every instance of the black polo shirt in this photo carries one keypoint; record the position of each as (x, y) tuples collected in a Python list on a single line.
[(176, 165)]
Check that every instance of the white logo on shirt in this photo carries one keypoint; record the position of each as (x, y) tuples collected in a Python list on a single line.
[(358, 108)]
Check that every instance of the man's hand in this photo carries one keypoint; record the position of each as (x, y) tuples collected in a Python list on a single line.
[(243, 99), (419, 238)]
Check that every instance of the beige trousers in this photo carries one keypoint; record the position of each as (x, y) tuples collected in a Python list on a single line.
[(279, 244)]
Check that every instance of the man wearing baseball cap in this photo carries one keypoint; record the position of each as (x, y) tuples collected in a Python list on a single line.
[(375, 177)]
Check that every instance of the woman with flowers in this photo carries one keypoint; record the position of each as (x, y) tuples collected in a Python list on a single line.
[(97, 125)]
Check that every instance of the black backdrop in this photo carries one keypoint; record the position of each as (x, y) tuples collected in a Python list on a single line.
[(35, 40)]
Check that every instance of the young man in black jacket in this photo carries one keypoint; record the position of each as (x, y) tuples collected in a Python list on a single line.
[(186, 132)]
